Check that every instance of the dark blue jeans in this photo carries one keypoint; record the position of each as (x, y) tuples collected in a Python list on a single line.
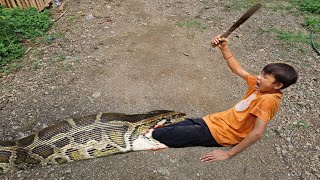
[(190, 132)]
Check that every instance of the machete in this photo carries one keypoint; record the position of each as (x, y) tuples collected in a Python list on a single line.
[(242, 19)]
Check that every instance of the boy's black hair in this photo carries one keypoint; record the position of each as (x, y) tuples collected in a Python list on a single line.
[(283, 73)]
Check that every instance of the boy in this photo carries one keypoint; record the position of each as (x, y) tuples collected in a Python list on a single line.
[(239, 126)]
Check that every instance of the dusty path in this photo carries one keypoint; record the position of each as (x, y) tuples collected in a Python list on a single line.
[(133, 57)]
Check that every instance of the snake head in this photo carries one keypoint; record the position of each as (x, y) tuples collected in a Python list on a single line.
[(173, 117)]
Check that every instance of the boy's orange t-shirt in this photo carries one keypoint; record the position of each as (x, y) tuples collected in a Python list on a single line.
[(232, 126)]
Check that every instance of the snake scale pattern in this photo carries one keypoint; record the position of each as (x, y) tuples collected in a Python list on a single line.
[(82, 138)]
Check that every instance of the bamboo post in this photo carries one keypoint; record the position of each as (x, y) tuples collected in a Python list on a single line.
[(8, 4), (47, 2), (23, 4), (42, 4), (28, 4), (2, 2), (13, 3), (39, 5), (19, 4), (33, 3)]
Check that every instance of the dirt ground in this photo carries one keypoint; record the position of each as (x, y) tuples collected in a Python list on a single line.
[(132, 57)]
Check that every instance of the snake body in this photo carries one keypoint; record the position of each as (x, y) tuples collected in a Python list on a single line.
[(82, 138)]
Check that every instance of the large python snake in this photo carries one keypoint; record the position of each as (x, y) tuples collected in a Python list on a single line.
[(82, 138)]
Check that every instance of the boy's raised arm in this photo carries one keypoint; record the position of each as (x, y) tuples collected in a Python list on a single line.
[(233, 64)]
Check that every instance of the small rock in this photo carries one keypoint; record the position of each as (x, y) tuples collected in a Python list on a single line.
[(91, 99), (284, 151), (44, 125), (68, 171), (21, 134), (314, 158), (15, 127), (90, 17), (173, 160), (163, 171), (72, 58), (95, 95)]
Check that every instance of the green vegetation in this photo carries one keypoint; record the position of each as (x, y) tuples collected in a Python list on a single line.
[(300, 124), (312, 23), (291, 36), (19, 26), (244, 4), (310, 10), (311, 6), (192, 23)]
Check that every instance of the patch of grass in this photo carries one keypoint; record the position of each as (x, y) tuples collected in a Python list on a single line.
[(48, 38), (290, 37), (36, 65), (311, 6), (300, 124), (61, 56), (18, 25), (310, 9), (192, 23), (293, 38), (236, 5), (312, 23)]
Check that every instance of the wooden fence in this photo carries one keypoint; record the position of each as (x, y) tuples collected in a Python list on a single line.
[(39, 4)]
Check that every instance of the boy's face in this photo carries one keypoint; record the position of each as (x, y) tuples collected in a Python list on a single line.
[(266, 83)]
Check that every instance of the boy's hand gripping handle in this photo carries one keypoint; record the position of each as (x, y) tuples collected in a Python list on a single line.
[(242, 19)]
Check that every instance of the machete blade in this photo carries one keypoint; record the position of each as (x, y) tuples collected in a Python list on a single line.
[(242, 19)]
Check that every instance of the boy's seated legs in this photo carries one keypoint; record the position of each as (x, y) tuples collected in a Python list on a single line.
[(190, 132)]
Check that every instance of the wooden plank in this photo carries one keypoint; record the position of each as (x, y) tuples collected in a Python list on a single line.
[(48, 2), (2, 2), (40, 7), (28, 4), (5, 3), (13, 3), (42, 4), (8, 3), (23, 2), (19, 4), (33, 3), (36, 4)]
